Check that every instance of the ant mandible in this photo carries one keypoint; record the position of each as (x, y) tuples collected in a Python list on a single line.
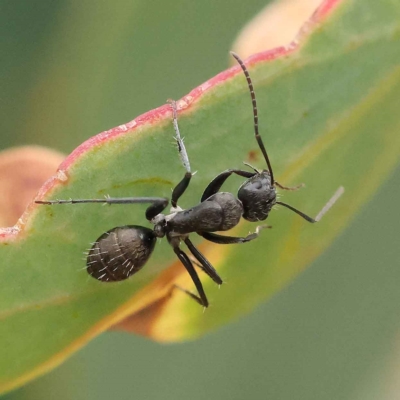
[(122, 251)]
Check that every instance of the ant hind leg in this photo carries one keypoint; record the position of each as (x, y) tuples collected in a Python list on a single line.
[(203, 263), (184, 259)]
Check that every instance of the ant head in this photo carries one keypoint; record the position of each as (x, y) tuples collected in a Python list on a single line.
[(258, 195)]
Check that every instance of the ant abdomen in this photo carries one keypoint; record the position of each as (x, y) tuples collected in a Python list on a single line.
[(120, 252)]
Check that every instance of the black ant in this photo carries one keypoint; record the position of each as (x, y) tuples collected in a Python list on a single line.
[(122, 251)]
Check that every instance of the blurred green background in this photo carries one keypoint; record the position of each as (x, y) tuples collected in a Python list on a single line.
[(75, 68)]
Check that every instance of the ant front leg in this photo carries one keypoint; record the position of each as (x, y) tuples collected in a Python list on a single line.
[(214, 186)]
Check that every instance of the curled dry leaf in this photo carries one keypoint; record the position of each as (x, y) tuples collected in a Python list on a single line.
[(23, 170), (276, 25)]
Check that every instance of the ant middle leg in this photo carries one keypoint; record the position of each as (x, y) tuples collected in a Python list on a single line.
[(221, 239), (181, 187)]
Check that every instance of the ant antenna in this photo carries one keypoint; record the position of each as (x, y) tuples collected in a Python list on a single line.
[(324, 210), (255, 114)]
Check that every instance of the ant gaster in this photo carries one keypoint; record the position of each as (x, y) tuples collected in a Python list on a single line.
[(122, 251)]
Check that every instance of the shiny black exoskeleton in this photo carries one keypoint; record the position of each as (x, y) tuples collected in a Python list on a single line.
[(122, 251)]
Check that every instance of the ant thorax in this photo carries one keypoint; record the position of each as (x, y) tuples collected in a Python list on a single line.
[(258, 196), (220, 212)]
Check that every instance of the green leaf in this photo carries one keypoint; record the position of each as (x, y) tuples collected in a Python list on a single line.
[(328, 116)]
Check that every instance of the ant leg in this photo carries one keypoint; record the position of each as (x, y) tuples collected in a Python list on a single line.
[(195, 262), (181, 187), (188, 292), (220, 239), (205, 265), (158, 204), (110, 200), (324, 210), (289, 188), (156, 208), (214, 186), (202, 298)]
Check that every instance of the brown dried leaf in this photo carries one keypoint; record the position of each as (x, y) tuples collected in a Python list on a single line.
[(23, 170), (276, 25)]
